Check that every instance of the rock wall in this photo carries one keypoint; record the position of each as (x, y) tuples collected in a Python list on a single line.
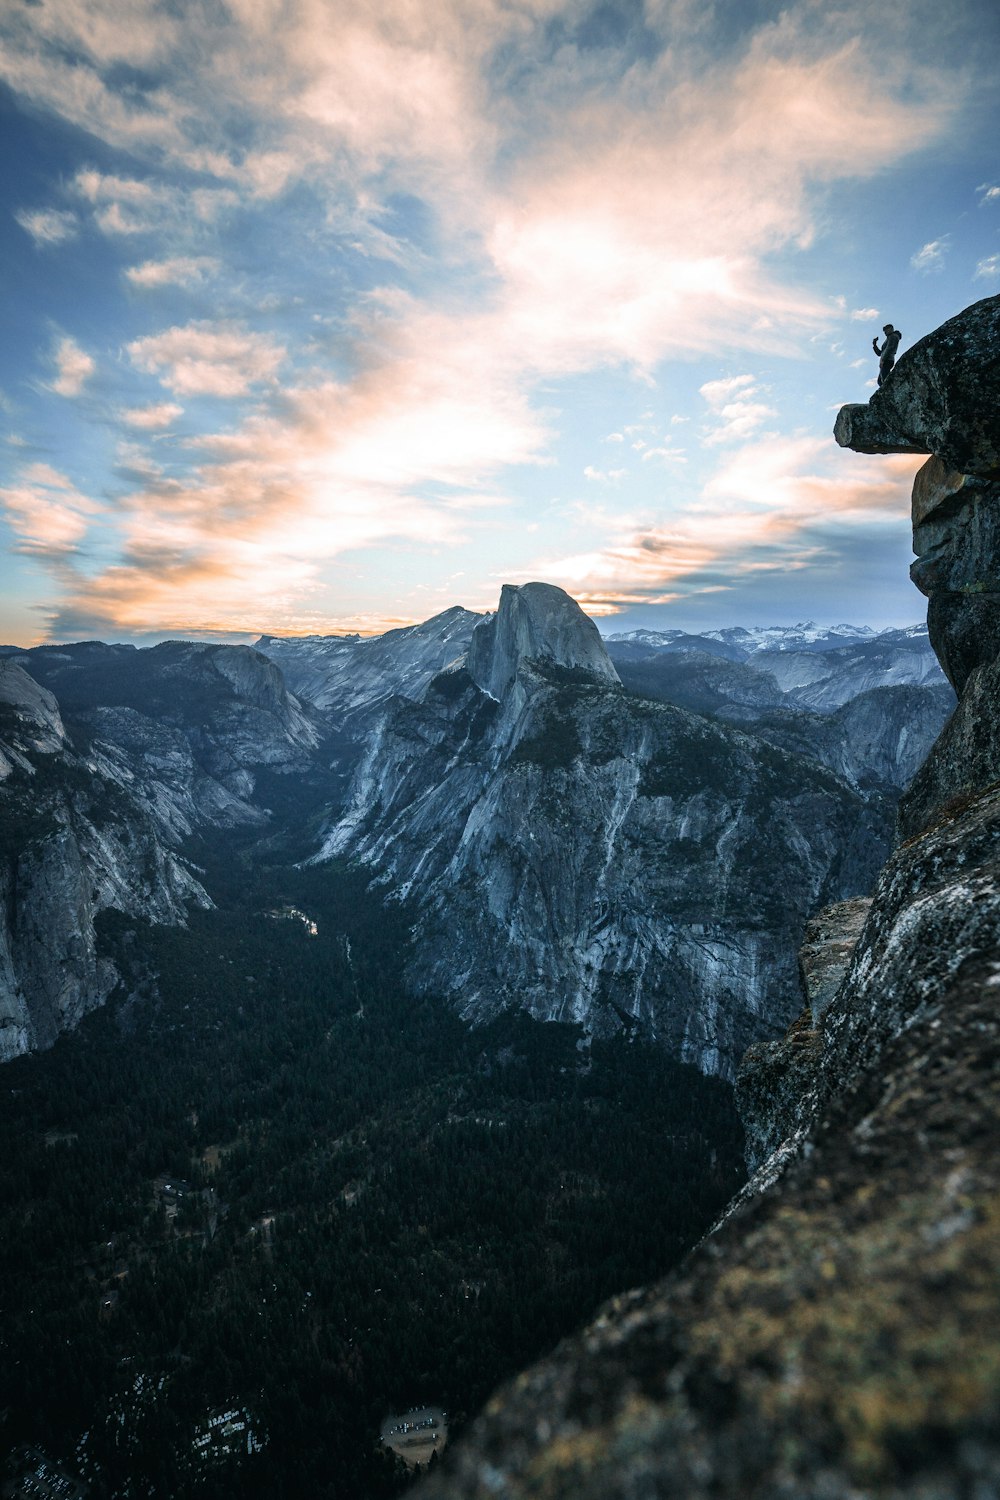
[(836, 1336), (597, 857)]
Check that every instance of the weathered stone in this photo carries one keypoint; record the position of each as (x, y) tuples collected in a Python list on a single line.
[(965, 760), (827, 948), (935, 486), (835, 1338), (958, 568), (866, 431), (775, 1079), (943, 397)]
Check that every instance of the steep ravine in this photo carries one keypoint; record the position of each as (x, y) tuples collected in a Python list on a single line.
[(836, 1336)]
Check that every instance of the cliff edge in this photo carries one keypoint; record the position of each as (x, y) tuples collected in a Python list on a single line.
[(835, 1337)]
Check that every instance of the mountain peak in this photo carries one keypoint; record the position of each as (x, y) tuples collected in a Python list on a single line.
[(535, 622)]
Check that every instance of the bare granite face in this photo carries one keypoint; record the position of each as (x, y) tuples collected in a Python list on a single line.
[(836, 1336), (597, 857)]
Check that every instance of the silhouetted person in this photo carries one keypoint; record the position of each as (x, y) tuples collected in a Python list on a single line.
[(887, 353)]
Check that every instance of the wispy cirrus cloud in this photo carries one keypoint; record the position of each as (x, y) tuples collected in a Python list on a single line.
[(48, 226), (177, 270)]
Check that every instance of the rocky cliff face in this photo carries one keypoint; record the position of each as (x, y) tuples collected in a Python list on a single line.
[(351, 677), (869, 710), (836, 1335), (591, 856), (74, 842), (98, 787)]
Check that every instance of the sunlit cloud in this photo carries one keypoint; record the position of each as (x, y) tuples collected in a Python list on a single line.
[(47, 514), (864, 314), (736, 413), (766, 509), (988, 193), (48, 226), (209, 359), (529, 208), (148, 418), (179, 270), (74, 367), (988, 267)]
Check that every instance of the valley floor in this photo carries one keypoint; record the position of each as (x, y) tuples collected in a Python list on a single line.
[(265, 1197)]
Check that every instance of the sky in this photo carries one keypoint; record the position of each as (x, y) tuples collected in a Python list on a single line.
[(324, 316)]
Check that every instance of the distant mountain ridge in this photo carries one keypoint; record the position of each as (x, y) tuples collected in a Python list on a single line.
[(504, 771), (746, 641)]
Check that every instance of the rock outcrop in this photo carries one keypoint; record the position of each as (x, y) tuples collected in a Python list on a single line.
[(593, 856), (835, 1337), (74, 842), (943, 397)]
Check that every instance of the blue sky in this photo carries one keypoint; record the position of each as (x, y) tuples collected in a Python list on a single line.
[(325, 317)]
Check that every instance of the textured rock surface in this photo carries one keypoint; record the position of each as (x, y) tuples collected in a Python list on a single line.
[(595, 857), (74, 841), (958, 567), (965, 760), (776, 1079), (350, 677), (835, 1339), (943, 397)]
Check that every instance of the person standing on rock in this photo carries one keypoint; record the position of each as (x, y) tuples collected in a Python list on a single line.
[(887, 353)]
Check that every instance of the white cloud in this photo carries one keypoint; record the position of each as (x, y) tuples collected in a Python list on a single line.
[(132, 205), (47, 226), (209, 359), (718, 392), (73, 368), (989, 193), (931, 257), (766, 509), (151, 417), (736, 413), (669, 455), (864, 314), (604, 476), (988, 267), (179, 270)]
